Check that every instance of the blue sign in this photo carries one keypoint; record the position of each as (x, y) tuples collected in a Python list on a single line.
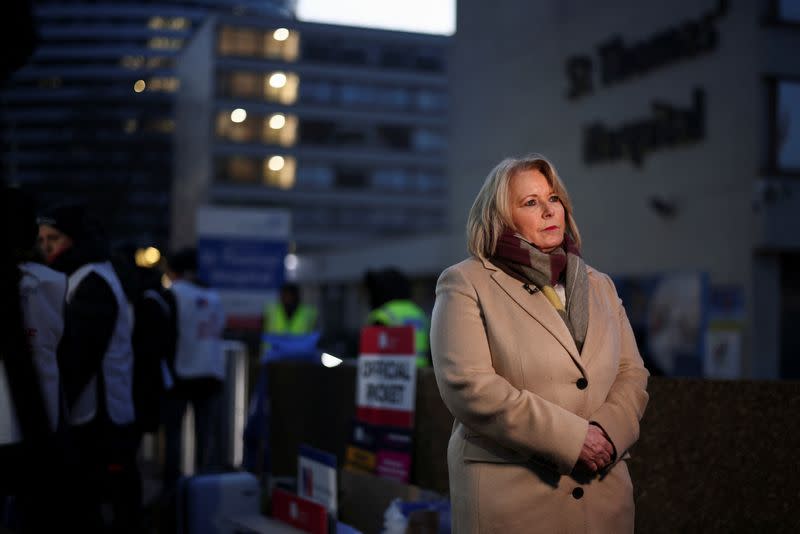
[(241, 263)]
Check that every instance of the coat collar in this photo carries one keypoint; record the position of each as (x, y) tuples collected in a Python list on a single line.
[(538, 307)]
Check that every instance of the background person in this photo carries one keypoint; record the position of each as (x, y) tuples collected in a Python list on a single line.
[(390, 300), (196, 365), (288, 315), (535, 358), (96, 368), (32, 314)]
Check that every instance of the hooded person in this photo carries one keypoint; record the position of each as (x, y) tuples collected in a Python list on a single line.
[(97, 363), (32, 315)]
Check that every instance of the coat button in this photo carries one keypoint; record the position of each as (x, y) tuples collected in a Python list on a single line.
[(577, 493), (582, 383)]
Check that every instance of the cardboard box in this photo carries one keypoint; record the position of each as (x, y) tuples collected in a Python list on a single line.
[(364, 498)]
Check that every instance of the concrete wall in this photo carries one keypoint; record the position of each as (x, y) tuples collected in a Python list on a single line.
[(510, 97), (192, 160)]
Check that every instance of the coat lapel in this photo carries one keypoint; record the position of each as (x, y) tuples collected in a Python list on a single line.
[(598, 325), (538, 307)]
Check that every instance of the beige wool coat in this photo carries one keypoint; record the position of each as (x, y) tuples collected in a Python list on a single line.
[(522, 397)]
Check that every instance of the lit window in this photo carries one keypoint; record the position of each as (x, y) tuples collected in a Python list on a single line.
[(238, 41), (167, 84), (156, 23), (132, 62), (241, 169), (277, 80), (279, 172), (139, 86), (280, 129), (158, 62), (282, 44), (244, 85), (277, 121), (158, 125), (281, 87), (130, 125), (238, 115), (179, 23), (240, 132), (165, 43), (164, 126)]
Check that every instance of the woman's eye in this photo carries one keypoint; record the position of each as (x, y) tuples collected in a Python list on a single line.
[(530, 202), (554, 198)]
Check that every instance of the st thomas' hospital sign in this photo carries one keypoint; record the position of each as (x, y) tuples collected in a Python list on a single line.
[(668, 125)]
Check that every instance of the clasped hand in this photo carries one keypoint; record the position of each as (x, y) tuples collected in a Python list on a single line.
[(597, 450)]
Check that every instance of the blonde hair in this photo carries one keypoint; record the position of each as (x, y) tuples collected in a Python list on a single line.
[(491, 212)]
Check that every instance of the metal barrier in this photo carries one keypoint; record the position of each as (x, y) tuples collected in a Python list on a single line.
[(232, 413), (234, 403)]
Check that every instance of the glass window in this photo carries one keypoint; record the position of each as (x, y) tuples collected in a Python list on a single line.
[(789, 11), (239, 169), (281, 87), (273, 86), (316, 92), (279, 129), (165, 43), (428, 140), (395, 97), (271, 129), (351, 178), (358, 95), (427, 181), (316, 132), (787, 127), (281, 43), (239, 41), (166, 84), (396, 57), (396, 179), (241, 132), (243, 84), (279, 171), (398, 137), (315, 177), (277, 43), (428, 100)]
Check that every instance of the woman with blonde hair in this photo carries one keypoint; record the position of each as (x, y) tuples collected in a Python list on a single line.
[(535, 358)]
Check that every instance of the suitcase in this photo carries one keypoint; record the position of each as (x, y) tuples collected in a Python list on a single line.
[(210, 503)]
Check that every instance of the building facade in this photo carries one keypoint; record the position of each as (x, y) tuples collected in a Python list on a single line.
[(90, 118), (675, 129), (344, 126)]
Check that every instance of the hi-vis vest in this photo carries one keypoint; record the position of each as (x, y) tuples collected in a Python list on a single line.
[(201, 319), (117, 364), (42, 292), (403, 312), (301, 322)]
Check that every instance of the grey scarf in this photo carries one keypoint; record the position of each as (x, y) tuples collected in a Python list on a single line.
[(513, 253)]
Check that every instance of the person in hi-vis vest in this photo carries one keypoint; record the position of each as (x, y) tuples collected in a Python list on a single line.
[(195, 366), (97, 366), (288, 315), (390, 299)]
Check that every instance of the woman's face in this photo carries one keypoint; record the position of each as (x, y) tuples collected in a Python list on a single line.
[(536, 211)]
